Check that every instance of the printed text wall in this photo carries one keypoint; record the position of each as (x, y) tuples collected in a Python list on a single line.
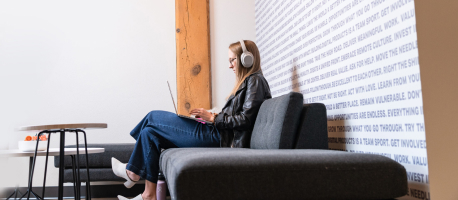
[(360, 59)]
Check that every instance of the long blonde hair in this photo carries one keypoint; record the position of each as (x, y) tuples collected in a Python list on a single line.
[(243, 72)]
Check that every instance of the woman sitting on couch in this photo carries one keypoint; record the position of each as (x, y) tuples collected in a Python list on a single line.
[(232, 127)]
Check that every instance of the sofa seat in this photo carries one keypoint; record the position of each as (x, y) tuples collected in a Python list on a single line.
[(100, 163), (225, 173)]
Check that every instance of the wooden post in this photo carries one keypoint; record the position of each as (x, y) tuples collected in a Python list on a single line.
[(193, 55)]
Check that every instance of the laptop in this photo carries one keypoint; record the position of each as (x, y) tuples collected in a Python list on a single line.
[(184, 116)]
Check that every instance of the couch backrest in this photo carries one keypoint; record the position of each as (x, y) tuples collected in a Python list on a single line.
[(277, 122), (313, 128)]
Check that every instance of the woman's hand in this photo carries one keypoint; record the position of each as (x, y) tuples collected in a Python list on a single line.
[(204, 114)]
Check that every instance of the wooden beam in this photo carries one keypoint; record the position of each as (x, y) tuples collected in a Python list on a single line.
[(193, 55)]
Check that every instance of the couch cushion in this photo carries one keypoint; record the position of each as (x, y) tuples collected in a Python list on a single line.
[(277, 122), (121, 151), (224, 173), (313, 128), (97, 174)]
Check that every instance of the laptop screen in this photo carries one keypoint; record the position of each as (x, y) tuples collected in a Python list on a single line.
[(173, 100)]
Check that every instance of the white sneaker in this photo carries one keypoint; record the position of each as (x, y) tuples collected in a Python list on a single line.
[(119, 169), (139, 197)]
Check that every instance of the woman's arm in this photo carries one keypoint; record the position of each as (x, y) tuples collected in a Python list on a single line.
[(255, 95)]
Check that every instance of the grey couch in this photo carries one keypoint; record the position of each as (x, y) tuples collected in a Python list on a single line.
[(288, 159)]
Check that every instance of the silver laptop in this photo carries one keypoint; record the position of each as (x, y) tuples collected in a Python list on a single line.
[(184, 116)]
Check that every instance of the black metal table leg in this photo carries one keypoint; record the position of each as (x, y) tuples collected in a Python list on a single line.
[(46, 167), (32, 168), (29, 189), (78, 178), (15, 193), (88, 181), (75, 184), (61, 165)]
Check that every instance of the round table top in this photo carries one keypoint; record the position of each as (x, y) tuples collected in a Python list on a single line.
[(63, 126), (52, 152)]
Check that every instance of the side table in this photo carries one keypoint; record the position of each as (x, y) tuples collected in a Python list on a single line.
[(63, 129), (52, 152)]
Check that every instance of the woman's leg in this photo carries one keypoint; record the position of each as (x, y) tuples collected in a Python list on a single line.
[(134, 177), (163, 130), (150, 191)]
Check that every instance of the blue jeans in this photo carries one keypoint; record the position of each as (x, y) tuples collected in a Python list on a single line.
[(163, 130)]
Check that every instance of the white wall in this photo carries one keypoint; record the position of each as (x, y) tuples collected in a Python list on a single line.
[(82, 61), (98, 61), (230, 21)]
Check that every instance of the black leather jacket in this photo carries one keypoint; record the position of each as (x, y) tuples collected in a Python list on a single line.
[(236, 121)]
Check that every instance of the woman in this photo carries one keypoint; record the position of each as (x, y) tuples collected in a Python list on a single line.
[(232, 126)]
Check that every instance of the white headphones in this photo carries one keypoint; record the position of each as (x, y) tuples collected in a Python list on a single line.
[(246, 58)]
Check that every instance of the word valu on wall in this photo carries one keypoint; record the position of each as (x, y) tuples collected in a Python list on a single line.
[(360, 59)]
